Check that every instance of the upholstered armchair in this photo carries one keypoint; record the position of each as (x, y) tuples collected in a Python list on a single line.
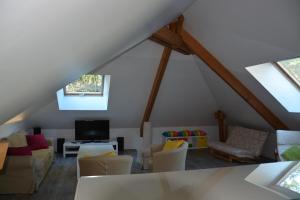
[(105, 165), (171, 160)]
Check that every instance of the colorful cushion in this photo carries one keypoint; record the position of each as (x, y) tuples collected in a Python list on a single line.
[(172, 145), (36, 142), (19, 151), (17, 139), (292, 153)]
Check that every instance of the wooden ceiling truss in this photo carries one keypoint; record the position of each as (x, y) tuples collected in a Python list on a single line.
[(174, 37)]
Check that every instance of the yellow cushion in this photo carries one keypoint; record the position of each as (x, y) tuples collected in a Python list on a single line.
[(172, 144), (109, 154), (106, 154), (17, 139)]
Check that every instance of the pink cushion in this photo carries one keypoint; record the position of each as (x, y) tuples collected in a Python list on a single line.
[(19, 151), (36, 142)]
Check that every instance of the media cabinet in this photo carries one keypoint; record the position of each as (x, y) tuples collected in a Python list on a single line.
[(72, 148)]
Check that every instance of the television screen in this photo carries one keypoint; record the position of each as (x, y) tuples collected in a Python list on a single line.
[(92, 130)]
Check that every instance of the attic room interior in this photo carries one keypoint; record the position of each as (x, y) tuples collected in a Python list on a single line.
[(195, 99)]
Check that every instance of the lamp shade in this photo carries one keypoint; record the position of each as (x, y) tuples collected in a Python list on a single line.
[(3, 151)]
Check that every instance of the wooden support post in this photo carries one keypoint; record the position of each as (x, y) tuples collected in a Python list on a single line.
[(220, 116), (155, 87), (199, 50), (3, 151)]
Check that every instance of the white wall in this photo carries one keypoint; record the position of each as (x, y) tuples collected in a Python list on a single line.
[(133, 140), (243, 33), (49, 50), (7, 129), (131, 135), (183, 99)]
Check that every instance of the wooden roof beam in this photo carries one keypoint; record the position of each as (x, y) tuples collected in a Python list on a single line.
[(155, 87), (214, 64)]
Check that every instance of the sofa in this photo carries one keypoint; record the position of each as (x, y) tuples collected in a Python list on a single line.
[(243, 144), (24, 173)]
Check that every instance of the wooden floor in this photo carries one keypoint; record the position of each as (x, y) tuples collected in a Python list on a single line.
[(60, 182)]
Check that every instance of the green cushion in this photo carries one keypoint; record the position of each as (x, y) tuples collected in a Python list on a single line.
[(292, 153)]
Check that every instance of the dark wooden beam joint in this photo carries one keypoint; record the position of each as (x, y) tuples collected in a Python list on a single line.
[(220, 116), (169, 36), (175, 37)]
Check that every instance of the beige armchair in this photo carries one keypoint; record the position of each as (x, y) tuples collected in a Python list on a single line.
[(163, 161), (103, 165)]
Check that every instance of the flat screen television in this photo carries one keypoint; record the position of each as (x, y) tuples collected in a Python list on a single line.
[(93, 130)]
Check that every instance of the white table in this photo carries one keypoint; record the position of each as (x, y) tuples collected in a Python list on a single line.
[(92, 149), (206, 184)]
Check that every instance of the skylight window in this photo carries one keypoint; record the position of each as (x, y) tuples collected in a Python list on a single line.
[(281, 79), (288, 183), (89, 84), (291, 68), (89, 94), (291, 180)]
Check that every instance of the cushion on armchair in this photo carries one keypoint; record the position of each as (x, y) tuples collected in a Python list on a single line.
[(172, 144), (17, 139)]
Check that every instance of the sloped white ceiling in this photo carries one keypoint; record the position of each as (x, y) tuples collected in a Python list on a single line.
[(52, 50), (244, 33), (183, 100), (45, 44)]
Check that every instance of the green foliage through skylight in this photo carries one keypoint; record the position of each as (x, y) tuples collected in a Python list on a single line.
[(292, 181), (292, 69), (89, 84)]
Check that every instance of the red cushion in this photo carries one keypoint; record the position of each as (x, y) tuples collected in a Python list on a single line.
[(36, 142), (19, 151)]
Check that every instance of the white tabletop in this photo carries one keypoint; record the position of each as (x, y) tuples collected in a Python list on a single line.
[(206, 184)]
